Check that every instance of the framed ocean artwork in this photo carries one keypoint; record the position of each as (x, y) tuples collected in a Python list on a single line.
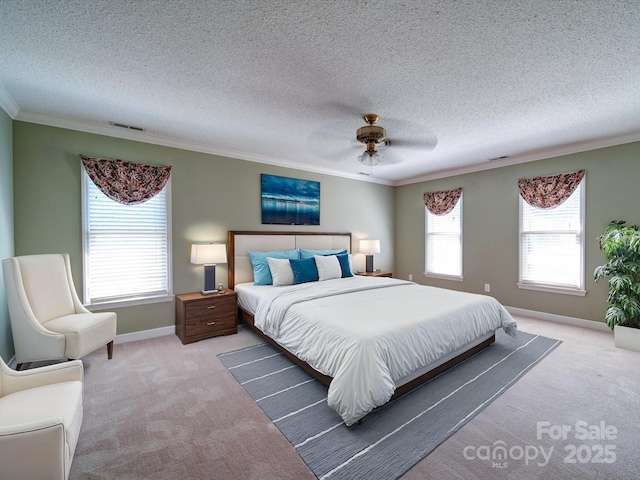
[(290, 201)]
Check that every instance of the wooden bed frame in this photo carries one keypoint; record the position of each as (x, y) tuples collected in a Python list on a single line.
[(248, 318)]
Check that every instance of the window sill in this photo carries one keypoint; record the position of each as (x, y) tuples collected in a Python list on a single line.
[(550, 289), (441, 276), (129, 303)]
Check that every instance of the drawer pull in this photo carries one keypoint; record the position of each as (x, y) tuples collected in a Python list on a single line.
[(211, 323), (212, 306)]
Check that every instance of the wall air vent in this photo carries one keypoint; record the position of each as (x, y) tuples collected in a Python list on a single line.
[(128, 127)]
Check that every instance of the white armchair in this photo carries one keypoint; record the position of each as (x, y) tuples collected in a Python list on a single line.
[(47, 318), (40, 419)]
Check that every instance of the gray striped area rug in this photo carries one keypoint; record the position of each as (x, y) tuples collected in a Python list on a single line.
[(394, 437)]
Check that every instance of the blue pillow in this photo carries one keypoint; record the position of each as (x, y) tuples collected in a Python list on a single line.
[(261, 271), (304, 270), (305, 253), (344, 265)]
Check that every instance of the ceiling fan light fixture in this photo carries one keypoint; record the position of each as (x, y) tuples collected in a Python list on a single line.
[(370, 158)]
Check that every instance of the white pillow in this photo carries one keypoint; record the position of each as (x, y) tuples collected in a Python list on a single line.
[(280, 271), (328, 267)]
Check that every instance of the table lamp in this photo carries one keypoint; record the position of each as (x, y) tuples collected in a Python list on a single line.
[(209, 255), (368, 247)]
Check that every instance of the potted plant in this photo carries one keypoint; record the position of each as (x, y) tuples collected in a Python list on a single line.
[(620, 245)]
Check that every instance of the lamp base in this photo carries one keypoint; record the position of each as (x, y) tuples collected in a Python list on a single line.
[(209, 280), (369, 267)]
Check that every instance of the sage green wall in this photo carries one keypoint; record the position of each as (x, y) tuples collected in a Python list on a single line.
[(6, 226), (210, 195), (491, 222)]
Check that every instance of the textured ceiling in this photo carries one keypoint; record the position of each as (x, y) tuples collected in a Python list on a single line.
[(287, 82)]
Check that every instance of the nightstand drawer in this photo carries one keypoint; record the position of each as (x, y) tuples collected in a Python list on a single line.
[(210, 325), (205, 308)]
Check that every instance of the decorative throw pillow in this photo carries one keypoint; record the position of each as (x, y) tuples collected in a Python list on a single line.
[(328, 267), (345, 265), (304, 270), (306, 253), (261, 272), (280, 271)]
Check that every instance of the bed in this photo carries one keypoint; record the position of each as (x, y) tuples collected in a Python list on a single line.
[(369, 339)]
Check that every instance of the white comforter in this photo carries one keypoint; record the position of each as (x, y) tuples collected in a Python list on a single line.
[(367, 332)]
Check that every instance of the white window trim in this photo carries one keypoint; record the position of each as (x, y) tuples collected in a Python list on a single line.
[(142, 300), (444, 276), (551, 289), (546, 287), (455, 278)]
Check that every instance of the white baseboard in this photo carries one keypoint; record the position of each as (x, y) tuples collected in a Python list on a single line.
[(144, 334), (551, 317)]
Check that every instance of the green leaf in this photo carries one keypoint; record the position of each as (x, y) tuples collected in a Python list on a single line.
[(621, 283), (614, 316)]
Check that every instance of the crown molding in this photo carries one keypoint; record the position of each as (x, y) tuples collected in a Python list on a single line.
[(7, 102), (528, 157), (145, 137), (9, 105)]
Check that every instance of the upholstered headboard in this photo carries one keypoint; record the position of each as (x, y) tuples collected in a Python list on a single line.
[(240, 243)]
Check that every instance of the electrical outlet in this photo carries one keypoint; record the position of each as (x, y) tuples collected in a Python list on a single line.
[(487, 287), (410, 277)]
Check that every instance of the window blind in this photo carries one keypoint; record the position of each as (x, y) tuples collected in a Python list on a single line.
[(126, 247), (444, 242), (551, 243)]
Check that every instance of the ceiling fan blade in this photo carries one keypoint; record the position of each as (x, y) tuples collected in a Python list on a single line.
[(422, 144), (336, 140), (409, 134), (329, 152), (391, 157)]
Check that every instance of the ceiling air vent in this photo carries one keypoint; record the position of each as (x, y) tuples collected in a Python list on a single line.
[(128, 127)]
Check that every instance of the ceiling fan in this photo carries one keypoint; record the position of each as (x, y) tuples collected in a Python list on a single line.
[(371, 135), (374, 136)]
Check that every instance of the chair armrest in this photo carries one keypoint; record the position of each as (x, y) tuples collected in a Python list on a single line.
[(25, 428), (43, 438), (15, 381)]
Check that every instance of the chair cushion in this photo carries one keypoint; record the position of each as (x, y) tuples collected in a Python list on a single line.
[(58, 400), (84, 332), (46, 284)]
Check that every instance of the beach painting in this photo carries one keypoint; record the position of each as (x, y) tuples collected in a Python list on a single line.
[(290, 201)]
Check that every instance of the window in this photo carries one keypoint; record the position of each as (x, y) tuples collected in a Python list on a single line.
[(126, 248), (552, 245), (443, 245)]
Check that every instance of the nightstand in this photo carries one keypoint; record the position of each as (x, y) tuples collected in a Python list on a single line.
[(377, 273), (202, 316)]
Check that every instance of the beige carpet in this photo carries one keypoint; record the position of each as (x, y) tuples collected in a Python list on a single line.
[(164, 410)]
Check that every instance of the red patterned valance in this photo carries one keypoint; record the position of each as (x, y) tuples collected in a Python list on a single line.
[(126, 182), (549, 192), (442, 202)]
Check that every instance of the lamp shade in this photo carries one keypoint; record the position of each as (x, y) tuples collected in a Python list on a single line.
[(208, 254), (369, 246)]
